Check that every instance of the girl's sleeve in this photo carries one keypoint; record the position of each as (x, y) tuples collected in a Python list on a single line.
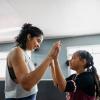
[(83, 82), (71, 85)]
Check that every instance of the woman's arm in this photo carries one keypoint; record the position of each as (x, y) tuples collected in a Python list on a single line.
[(24, 77)]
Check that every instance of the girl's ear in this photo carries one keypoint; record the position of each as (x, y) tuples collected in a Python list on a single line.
[(84, 61)]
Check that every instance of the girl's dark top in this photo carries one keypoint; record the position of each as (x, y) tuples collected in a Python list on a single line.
[(81, 87)]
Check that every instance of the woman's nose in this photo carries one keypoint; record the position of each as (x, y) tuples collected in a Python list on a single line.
[(38, 46)]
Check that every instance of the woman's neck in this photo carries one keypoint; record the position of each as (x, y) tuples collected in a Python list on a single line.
[(28, 52)]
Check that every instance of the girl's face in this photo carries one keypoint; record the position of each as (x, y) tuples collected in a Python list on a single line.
[(35, 42), (76, 62)]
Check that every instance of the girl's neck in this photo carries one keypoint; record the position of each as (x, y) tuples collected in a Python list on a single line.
[(80, 71)]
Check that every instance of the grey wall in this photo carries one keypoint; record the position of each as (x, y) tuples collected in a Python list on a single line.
[(72, 41), (38, 56)]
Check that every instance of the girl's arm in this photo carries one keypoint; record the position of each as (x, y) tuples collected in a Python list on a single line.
[(61, 82), (52, 65)]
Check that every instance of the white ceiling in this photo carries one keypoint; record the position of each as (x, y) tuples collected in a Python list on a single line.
[(57, 18)]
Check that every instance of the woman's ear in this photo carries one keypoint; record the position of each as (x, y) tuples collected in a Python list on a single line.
[(28, 37)]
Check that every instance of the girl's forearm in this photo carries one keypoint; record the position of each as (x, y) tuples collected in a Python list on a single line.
[(61, 82)]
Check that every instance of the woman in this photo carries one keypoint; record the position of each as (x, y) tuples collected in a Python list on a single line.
[(84, 85), (21, 75)]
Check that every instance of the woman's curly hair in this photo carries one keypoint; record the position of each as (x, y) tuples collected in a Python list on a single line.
[(27, 28)]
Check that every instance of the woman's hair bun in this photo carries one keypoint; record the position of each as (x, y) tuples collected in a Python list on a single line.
[(26, 26)]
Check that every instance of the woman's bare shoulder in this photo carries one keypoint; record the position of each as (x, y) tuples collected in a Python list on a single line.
[(15, 53)]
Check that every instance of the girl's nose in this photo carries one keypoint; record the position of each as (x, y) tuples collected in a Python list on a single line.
[(67, 62)]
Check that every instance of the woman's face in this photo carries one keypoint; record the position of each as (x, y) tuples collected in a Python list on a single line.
[(34, 42), (76, 62)]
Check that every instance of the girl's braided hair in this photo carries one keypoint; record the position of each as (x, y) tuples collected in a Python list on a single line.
[(90, 68)]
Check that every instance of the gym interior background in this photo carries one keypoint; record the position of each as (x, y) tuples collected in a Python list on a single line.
[(74, 22)]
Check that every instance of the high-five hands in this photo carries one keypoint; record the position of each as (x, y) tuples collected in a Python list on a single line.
[(55, 50), (54, 54)]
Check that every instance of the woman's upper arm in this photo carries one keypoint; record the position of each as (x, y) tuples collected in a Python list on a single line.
[(19, 65)]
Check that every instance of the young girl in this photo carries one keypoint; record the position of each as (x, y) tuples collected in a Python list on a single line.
[(84, 85)]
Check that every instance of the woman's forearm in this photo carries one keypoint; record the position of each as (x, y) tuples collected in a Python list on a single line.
[(33, 77)]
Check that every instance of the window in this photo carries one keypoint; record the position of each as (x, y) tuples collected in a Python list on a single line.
[(3, 56), (93, 49)]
